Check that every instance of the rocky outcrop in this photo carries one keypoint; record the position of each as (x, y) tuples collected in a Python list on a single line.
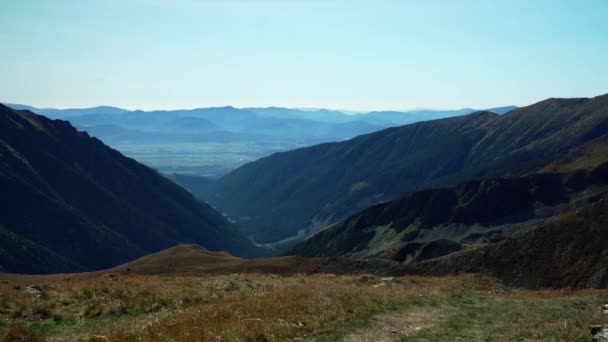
[(569, 251), (599, 333)]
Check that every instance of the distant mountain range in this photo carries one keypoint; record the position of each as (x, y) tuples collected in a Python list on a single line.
[(254, 123), (300, 192), (71, 203)]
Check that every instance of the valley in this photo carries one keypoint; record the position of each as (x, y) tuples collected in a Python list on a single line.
[(499, 227), (211, 142), (208, 160), (303, 171)]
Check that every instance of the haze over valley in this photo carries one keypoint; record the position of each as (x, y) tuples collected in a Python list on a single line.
[(211, 142)]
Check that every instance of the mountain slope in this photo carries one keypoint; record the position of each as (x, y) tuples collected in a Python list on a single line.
[(586, 156), (472, 212), (301, 191), (86, 206), (570, 251)]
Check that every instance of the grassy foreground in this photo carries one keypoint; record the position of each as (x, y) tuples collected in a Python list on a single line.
[(299, 308)]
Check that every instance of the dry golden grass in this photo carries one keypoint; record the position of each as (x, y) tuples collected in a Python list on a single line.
[(252, 307)]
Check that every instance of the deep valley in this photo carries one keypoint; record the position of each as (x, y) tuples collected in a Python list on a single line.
[(419, 232)]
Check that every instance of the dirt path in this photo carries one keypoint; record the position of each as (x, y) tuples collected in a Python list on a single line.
[(390, 327)]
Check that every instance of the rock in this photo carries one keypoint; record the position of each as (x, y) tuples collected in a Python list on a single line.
[(599, 333), (34, 290), (605, 308), (392, 280)]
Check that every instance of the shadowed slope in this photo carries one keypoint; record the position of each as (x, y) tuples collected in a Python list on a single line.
[(70, 194), (571, 251)]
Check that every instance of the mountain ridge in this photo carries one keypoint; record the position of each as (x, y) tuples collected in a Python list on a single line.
[(69, 193), (276, 196)]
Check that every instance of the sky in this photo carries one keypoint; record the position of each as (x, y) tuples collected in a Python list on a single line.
[(341, 54)]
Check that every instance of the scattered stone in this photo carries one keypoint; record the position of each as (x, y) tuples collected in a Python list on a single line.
[(599, 333), (300, 324), (34, 290), (605, 308), (392, 280)]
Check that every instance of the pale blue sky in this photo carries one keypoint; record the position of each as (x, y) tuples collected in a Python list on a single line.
[(361, 55)]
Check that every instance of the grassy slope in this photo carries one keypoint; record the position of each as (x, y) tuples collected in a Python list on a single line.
[(587, 156), (87, 203), (276, 196), (266, 308)]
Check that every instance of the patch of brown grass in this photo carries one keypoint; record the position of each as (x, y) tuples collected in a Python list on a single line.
[(241, 307)]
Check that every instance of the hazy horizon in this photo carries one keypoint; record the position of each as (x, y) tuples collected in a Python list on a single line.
[(349, 55), (342, 110)]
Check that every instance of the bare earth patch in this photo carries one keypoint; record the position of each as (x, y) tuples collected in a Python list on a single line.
[(390, 327)]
